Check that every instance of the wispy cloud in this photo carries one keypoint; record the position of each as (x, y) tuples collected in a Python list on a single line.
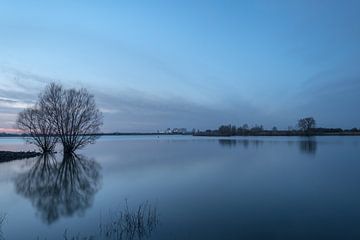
[(132, 110), (330, 96), (18, 90), (323, 96), (20, 85), (14, 103), (127, 109), (7, 119)]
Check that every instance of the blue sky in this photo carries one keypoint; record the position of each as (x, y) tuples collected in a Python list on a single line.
[(193, 64)]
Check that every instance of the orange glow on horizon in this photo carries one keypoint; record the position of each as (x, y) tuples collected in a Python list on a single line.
[(10, 130)]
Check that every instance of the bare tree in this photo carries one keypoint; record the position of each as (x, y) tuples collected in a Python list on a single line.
[(40, 130), (306, 124), (73, 113), (66, 115)]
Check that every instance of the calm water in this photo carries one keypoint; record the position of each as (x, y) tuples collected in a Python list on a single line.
[(196, 188)]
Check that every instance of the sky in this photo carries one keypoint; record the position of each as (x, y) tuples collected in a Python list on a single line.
[(154, 65)]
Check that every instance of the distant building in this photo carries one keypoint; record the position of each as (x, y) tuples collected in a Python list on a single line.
[(179, 130), (176, 131)]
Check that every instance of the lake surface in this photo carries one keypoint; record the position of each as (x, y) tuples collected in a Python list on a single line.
[(186, 188)]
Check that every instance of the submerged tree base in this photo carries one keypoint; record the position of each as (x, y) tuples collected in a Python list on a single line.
[(6, 156)]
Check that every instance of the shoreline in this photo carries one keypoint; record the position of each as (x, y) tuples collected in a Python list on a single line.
[(205, 134), (344, 134), (7, 156)]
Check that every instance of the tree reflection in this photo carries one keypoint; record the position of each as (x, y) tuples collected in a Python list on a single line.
[(308, 145), (243, 142), (59, 189), (227, 142)]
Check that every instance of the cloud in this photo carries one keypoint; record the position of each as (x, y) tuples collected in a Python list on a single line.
[(7, 119), (20, 85), (18, 90), (132, 110), (332, 98), (13, 103)]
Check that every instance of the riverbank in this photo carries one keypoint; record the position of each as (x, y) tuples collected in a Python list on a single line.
[(6, 156), (276, 134)]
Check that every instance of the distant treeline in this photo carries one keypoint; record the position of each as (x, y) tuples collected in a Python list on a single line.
[(258, 130), (10, 135)]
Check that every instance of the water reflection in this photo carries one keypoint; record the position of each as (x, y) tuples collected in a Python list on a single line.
[(227, 142), (62, 188), (308, 145), (233, 143)]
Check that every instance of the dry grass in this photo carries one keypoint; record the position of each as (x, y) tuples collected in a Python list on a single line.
[(126, 224), (2, 222)]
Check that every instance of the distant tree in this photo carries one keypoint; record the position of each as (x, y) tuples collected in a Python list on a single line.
[(274, 129), (306, 124), (68, 116), (74, 115), (38, 128)]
